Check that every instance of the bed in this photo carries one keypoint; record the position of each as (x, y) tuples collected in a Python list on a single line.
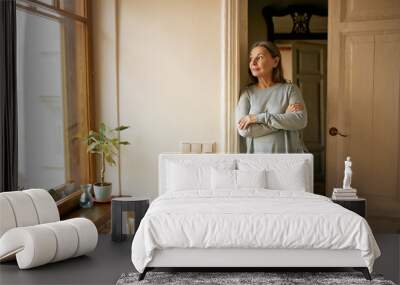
[(246, 211)]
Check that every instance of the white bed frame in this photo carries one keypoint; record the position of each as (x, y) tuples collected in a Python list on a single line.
[(246, 258)]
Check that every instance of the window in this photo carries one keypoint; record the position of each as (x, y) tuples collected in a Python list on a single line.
[(53, 93)]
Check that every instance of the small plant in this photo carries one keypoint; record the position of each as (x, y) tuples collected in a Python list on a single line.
[(106, 143)]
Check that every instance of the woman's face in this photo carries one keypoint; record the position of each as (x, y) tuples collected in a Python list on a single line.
[(261, 62)]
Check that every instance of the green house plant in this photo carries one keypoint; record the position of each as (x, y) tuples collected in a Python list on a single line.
[(105, 143)]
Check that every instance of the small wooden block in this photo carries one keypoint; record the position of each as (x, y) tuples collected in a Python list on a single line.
[(185, 147), (195, 148), (208, 148)]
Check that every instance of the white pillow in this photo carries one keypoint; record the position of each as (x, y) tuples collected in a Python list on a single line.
[(293, 179), (237, 179), (281, 174), (223, 179), (183, 177), (251, 179), (188, 175)]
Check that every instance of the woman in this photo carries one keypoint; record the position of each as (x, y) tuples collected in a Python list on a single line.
[(271, 112)]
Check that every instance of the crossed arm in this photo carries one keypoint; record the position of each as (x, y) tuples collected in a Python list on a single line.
[(256, 125), (251, 130)]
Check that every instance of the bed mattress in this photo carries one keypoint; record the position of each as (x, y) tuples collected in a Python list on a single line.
[(250, 219)]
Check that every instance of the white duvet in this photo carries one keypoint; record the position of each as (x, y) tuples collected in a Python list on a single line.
[(251, 218)]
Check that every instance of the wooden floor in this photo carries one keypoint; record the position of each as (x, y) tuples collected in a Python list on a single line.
[(111, 259)]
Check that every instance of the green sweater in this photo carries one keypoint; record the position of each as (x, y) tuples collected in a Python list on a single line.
[(275, 130)]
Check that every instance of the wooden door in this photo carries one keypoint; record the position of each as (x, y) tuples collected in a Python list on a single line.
[(309, 73), (363, 104)]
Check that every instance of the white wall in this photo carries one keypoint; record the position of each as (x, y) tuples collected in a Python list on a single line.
[(169, 80), (104, 71)]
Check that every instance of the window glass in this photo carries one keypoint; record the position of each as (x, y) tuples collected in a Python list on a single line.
[(73, 6), (40, 102), (53, 99), (48, 2)]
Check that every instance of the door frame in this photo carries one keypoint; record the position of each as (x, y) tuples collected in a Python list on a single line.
[(234, 76), (234, 50)]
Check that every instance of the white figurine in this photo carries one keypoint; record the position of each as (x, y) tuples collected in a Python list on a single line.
[(347, 174)]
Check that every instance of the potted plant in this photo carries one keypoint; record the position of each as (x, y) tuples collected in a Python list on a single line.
[(106, 143)]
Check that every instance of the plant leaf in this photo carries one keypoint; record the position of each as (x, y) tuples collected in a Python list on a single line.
[(102, 131), (92, 147), (105, 142), (110, 160), (102, 128), (121, 128)]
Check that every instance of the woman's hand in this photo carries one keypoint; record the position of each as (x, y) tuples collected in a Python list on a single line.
[(246, 121), (294, 107)]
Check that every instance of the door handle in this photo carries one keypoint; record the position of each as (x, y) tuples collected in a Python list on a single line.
[(333, 132)]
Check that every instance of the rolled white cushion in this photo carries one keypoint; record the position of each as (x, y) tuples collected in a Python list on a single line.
[(34, 245), (45, 205), (41, 244), (7, 218), (87, 235), (26, 208), (23, 208), (67, 240)]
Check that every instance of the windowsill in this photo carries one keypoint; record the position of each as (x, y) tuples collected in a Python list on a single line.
[(99, 214)]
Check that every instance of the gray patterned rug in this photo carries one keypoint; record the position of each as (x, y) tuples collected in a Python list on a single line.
[(230, 278)]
